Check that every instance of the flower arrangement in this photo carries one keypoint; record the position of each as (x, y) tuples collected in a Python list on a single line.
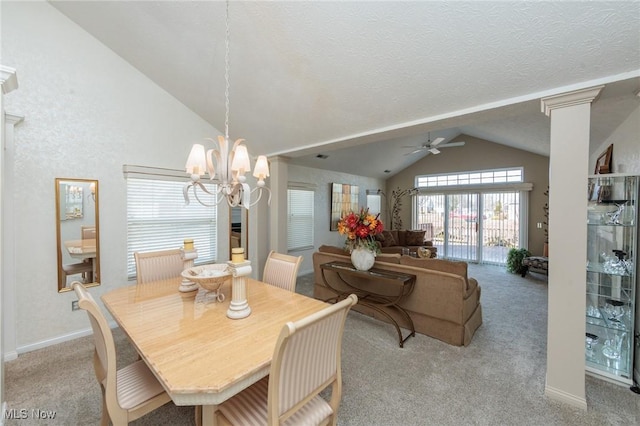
[(360, 229)]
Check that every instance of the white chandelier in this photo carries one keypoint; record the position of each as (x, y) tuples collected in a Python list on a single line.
[(227, 167)]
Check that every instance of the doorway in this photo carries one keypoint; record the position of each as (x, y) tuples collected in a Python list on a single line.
[(471, 226)]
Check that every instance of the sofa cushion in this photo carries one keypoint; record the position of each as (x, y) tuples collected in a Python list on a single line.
[(414, 238), (399, 237), (388, 258), (441, 265), (333, 250)]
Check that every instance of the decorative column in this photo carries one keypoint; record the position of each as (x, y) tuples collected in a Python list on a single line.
[(570, 115), (189, 255), (240, 269)]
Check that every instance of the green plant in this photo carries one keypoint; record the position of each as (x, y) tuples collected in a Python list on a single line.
[(514, 259)]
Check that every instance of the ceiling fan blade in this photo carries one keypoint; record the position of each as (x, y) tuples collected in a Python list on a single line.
[(436, 142), (451, 144), (414, 151), (434, 150)]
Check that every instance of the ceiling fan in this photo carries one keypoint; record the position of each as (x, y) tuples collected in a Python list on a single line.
[(432, 147)]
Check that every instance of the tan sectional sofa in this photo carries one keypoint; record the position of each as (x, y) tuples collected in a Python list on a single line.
[(444, 304)]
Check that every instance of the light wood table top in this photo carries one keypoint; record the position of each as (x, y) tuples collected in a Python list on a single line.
[(81, 248), (199, 355)]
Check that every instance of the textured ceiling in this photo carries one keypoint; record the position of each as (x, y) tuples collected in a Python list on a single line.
[(310, 77)]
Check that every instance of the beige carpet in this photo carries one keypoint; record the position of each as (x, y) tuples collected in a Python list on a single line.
[(497, 380)]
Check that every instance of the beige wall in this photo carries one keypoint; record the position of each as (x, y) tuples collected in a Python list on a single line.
[(479, 154)]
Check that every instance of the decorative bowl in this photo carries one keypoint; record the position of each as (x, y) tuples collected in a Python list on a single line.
[(209, 277)]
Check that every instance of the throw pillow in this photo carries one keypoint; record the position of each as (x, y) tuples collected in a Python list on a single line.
[(415, 238), (388, 239)]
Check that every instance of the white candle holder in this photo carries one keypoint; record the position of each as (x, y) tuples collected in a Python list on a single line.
[(188, 256), (239, 307)]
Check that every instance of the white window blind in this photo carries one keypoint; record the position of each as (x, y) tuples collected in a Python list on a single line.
[(300, 224), (158, 219)]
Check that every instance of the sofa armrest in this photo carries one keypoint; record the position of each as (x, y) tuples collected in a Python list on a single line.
[(472, 285)]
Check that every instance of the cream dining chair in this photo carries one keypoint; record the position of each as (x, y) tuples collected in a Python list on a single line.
[(159, 265), (128, 393), (306, 360), (281, 270)]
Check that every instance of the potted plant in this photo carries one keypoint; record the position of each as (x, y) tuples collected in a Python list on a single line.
[(514, 259)]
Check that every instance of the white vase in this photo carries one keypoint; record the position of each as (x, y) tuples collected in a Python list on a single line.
[(363, 258)]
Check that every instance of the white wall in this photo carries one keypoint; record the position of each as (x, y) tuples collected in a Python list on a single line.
[(322, 200), (87, 112), (626, 145)]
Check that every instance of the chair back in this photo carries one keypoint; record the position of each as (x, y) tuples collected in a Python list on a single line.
[(104, 360), (159, 265), (281, 270), (88, 232), (307, 360)]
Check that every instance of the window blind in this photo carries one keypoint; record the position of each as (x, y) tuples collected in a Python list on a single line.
[(159, 219), (300, 219)]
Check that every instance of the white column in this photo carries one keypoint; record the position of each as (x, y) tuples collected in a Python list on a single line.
[(570, 115), (239, 306), (279, 182)]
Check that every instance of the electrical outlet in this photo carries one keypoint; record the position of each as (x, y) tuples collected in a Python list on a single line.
[(74, 305), (539, 225)]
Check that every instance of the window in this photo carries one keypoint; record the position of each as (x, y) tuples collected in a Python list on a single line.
[(374, 201), (300, 218), (158, 217), (483, 177)]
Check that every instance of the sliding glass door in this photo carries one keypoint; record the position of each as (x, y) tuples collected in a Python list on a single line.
[(471, 226)]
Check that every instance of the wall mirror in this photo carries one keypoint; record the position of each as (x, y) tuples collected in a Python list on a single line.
[(77, 232), (238, 229)]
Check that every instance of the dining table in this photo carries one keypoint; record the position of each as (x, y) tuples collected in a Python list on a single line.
[(81, 249), (200, 356)]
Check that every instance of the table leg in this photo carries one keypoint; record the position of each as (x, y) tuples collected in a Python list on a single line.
[(209, 415)]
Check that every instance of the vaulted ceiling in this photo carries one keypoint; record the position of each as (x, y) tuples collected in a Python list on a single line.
[(319, 77)]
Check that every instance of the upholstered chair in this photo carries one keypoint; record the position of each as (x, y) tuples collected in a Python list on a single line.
[(159, 265), (281, 270), (128, 393), (306, 360)]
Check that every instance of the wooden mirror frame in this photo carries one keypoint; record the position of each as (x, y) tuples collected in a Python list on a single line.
[(85, 255), (244, 229)]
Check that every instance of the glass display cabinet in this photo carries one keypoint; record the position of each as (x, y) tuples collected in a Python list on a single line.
[(612, 235)]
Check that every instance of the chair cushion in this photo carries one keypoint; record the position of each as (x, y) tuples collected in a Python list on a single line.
[(136, 384), (537, 262), (249, 407)]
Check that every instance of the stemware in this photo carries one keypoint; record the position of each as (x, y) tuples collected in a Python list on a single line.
[(591, 340)]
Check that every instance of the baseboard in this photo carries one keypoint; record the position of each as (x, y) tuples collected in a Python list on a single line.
[(564, 397), (56, 340), (9, 356)]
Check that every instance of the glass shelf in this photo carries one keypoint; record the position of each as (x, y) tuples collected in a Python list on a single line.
[(611, 292)]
